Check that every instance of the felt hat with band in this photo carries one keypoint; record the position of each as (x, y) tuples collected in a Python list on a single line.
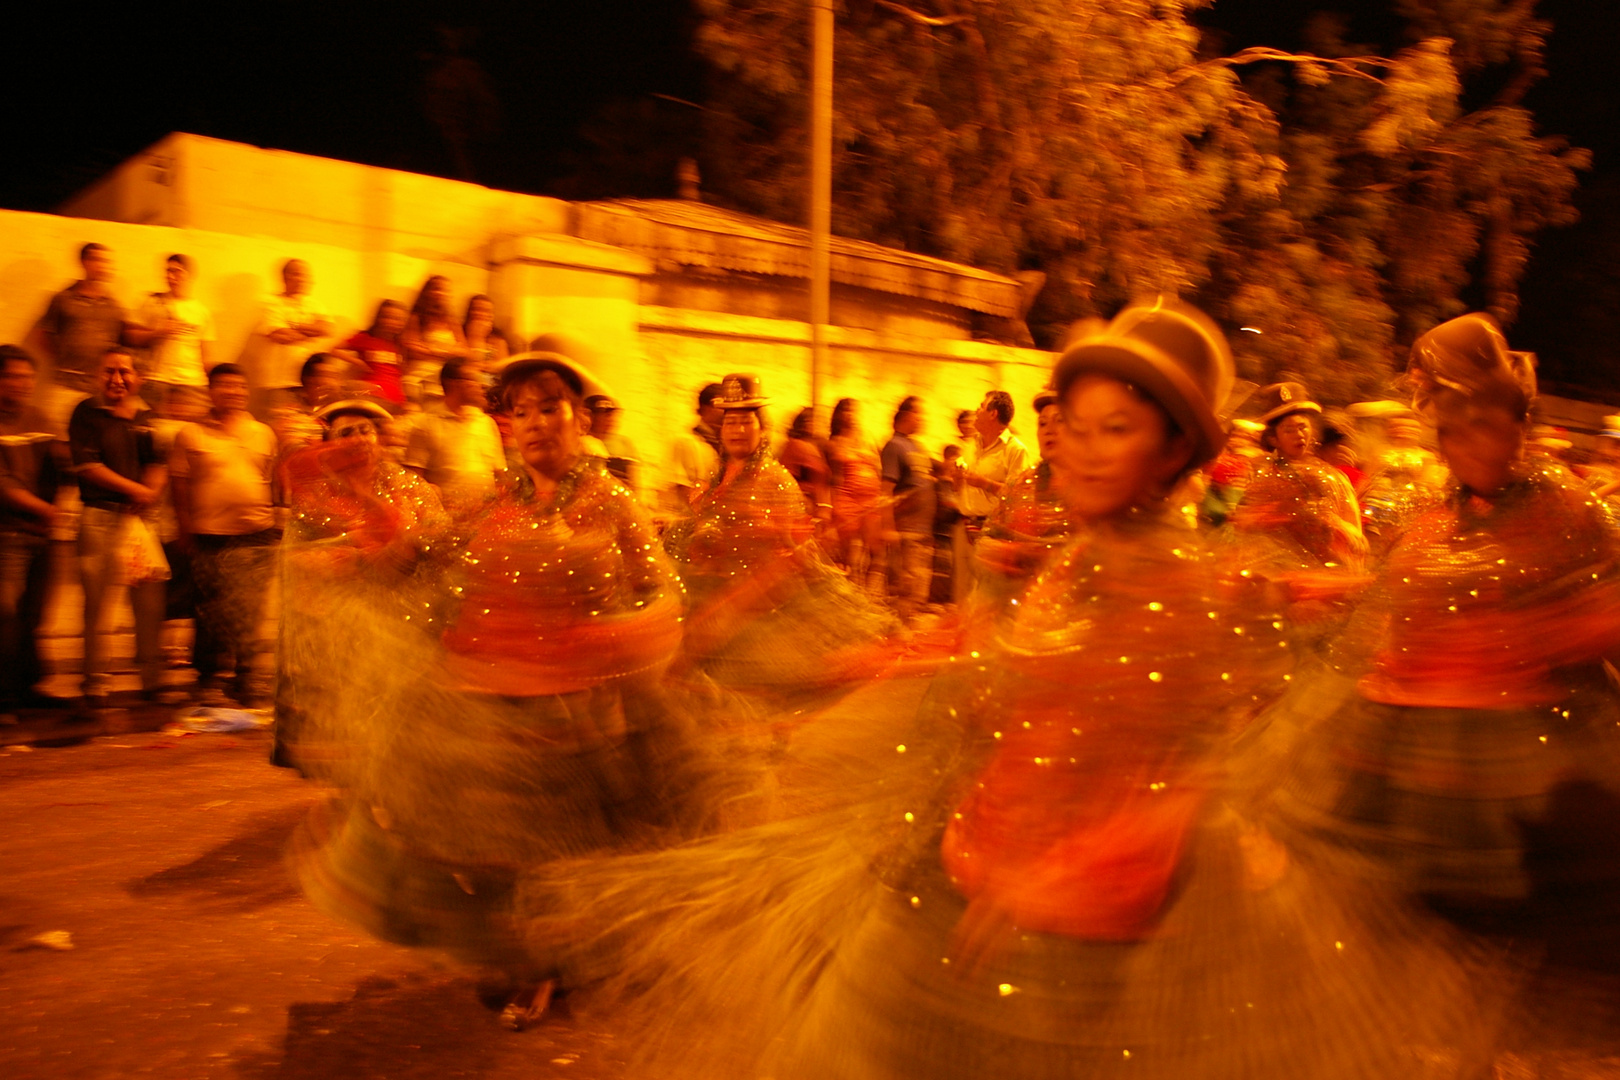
[(1172, 352), (1283, 399), (371, 407), (740, 392)]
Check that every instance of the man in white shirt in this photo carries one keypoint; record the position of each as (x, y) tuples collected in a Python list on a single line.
[(181, 329), (219, 472), (992, 459), (292, 327), (619, 452), (695, 457), (457, 447)]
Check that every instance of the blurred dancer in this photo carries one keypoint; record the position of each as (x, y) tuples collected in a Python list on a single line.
[(1294, 498), (1033, 519), (770, 616), (1604, 473), (1402, 481), (1484, 694), (352, 562), (532, 729), (1050, 876)]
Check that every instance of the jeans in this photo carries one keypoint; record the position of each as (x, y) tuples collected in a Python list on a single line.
[(100, 533), (25, 569), (231, 575)]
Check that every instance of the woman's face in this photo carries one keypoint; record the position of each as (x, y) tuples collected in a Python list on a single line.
[(1481, 443), (391, 320), (740, 433), (358, 433), (547, 426), (438, 295), (480, 314), (1295, 436), (1115, 447), (1050, 423)]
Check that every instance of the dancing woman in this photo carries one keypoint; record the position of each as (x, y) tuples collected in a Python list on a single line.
[(770, 617), (1051, 875), (533, 728), (1484, 694), (360, 544), (1294, 498), (1032, 520)]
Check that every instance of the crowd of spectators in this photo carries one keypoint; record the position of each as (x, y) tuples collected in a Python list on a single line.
[(129, 435)]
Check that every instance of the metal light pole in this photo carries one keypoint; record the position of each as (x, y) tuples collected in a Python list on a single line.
[(821, 69)]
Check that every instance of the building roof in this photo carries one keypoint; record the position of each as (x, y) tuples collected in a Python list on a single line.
[(694, 234)]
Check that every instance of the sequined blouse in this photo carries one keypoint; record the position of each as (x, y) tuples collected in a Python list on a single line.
[(1129, 658), (396, 506), (1030, 522), (740, 524), (561, 594), (1487, 603), (1307, 504)]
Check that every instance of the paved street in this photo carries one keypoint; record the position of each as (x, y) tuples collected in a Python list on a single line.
[(194, 955)]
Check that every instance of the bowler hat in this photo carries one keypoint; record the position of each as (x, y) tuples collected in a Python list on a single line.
[(1281, 399), (740, 392), (575, 375), (1173, 352), (364, 406)]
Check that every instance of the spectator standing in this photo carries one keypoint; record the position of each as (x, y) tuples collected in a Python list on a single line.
[(803, 457), (80, 324), (947, 513), (855, 466), (219, 473), (376, 351), (295, 424), (120, 477), (621, 457), (964, 428), (695, 457), (180, 330), (486, 346), (992, 458), (456, 447), (293, 327), (431, 337), (31, 460), (908, 509)]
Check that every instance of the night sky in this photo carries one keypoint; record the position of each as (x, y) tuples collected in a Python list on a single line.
[(345, 80)]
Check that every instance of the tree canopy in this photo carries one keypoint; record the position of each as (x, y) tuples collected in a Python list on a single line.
[(1337, 201)]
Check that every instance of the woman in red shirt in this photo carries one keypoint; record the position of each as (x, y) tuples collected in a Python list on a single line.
[(376, 350)]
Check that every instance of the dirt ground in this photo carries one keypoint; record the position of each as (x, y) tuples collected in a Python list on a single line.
[(193, 952), (159, 859)]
